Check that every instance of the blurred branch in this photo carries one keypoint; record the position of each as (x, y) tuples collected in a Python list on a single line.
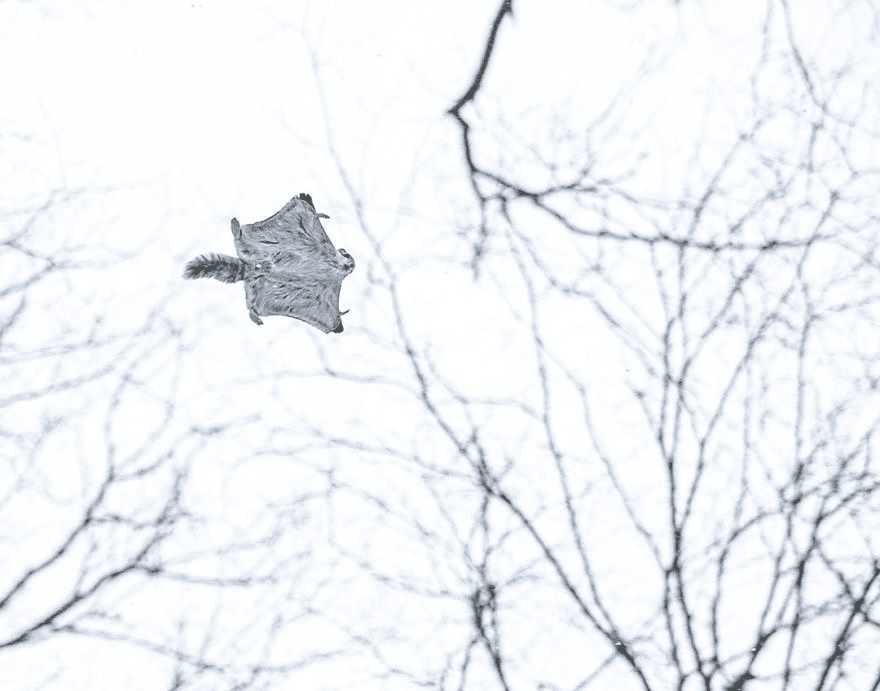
[(504, 9)]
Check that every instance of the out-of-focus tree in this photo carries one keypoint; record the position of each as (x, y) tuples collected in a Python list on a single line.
[(111, 556), (672, 483), (703, 405), (602, 416)]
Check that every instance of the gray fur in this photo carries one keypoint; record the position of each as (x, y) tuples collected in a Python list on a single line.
[(288, 265), (219, 266)]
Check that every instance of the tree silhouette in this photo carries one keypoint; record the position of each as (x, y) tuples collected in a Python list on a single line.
[(604, 412)]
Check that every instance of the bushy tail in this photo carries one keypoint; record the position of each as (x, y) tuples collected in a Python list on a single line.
[(219, 266)]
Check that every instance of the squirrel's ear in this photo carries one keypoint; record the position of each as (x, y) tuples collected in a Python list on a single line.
[(236, 229)]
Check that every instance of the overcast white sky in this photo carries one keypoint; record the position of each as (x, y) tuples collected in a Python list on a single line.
[(164, 119)]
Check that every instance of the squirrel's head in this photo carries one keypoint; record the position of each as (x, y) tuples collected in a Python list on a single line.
[(347, 260)]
